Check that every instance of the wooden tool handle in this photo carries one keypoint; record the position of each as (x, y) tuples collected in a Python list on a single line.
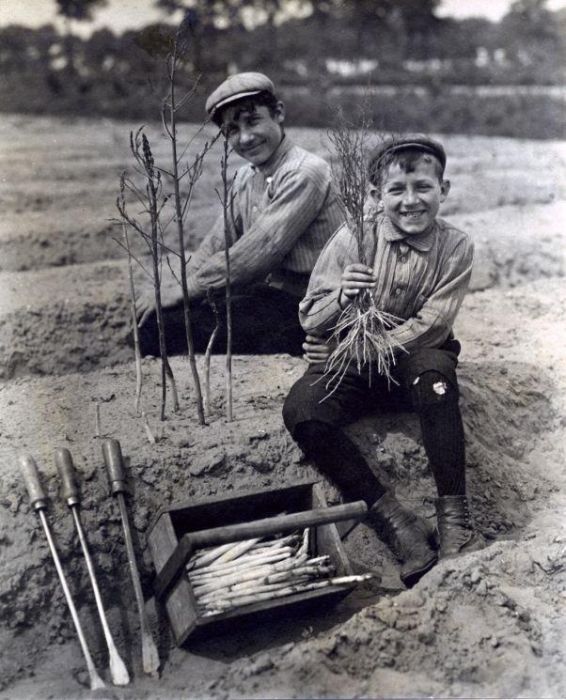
[(244, 531), (276, 524), (66, 469), (112, 453), (37, 496)]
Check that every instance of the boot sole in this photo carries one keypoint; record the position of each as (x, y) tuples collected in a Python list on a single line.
[(414, 577)]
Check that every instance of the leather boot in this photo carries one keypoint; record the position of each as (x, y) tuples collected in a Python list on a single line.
[(455, 529), (406, 535)]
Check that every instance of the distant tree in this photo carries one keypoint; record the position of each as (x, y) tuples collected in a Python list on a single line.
[(389, 29), (75, 11), (530, 35), (233, 17), (202, 18)]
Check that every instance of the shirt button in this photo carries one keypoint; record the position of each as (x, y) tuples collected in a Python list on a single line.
[(403, 258), (254, 208), (398, 291)]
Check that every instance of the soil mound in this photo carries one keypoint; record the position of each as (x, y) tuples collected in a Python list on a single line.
[(483, 625)]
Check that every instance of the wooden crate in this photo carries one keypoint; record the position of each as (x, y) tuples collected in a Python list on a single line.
[(172, 524)]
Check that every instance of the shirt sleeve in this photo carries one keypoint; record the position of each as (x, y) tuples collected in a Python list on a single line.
[(320, 309), (212, 246), (297, 201), (432, 323)]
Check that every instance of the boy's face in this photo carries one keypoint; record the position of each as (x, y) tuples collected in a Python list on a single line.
[(254, 133), (412, 199)]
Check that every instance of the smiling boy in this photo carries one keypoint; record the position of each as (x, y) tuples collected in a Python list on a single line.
[(283, 212), (420, 272)]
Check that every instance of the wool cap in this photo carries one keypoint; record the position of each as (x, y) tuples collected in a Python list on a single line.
[(400, 143), (236, 87)]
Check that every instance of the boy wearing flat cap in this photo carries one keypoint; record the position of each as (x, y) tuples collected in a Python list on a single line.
[(420, 272), (283, 212)]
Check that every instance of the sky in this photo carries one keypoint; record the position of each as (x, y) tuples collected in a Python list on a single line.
[(120, 15)]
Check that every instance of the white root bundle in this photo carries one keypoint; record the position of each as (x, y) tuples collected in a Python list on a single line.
[(254, 570)]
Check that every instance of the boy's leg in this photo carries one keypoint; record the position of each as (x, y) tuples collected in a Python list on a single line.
[(430, 377), (264, 321), (314, 419)]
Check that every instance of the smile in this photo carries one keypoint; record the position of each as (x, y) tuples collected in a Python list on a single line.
[(413, 214), (250, 149)]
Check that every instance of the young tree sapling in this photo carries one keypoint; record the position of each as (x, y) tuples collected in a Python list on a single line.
[(361, 334)]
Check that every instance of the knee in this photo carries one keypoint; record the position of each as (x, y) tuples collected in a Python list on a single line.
[(290, 412), (432, 389), (302, 403), (295, 407)]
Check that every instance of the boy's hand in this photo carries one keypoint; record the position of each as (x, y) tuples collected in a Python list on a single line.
[(316, 349), (355, 278), (145, 304)]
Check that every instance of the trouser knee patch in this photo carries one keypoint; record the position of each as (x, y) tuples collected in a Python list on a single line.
[(432, 388)]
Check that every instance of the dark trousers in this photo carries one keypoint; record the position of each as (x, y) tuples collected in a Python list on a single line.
[(427, 384), (265, 320)]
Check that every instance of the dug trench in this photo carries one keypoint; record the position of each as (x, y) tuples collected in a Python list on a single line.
[(485, 624)]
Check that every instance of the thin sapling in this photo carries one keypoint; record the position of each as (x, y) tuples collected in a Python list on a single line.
[(361, 334)]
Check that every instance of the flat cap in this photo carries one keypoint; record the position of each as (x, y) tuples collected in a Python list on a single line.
[(400, 143), (236, 87)]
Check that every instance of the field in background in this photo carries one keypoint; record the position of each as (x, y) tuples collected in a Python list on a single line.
[(483, 625)]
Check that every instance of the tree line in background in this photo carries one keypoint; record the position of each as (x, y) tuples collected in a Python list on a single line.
[(398, 52)]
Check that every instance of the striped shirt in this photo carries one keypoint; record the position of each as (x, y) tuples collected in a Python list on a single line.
[(283, 214), (422, 279)]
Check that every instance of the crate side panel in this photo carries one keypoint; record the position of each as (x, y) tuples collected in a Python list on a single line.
[(237, 508), (180, 602)]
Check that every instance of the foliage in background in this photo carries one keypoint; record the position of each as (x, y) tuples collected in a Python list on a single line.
[(409, 56)]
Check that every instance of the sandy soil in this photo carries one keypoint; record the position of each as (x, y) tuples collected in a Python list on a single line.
[(489, 624)]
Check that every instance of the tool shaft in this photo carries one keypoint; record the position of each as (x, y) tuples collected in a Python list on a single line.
[(95, 680), (118, 669), (112, 453), (131, 553), (150, 654)]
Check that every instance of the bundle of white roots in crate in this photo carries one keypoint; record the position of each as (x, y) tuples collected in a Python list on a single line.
[(261, 569)]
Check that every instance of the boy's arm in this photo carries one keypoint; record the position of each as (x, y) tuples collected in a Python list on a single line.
[(432, 324), (171, 290), (297, 201), (320, 309), (212, 245)]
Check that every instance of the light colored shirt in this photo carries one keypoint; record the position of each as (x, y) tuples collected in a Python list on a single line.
[(283, 213), (422, 279)]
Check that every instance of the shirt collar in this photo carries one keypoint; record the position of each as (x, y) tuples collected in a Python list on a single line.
[(422, 241), (270, 166)]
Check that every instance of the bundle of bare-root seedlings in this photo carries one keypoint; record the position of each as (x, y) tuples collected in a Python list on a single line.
[(258, 570), (361, 334)]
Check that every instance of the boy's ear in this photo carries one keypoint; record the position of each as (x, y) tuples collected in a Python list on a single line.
[(444, 189), (279, 113), (376, 197)]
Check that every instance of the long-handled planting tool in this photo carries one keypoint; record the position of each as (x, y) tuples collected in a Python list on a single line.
[(112, 454), (38, 502), (70, 492)]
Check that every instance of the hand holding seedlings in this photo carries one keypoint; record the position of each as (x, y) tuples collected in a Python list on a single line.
[(70, 492), (355, 278), (38, 501)]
